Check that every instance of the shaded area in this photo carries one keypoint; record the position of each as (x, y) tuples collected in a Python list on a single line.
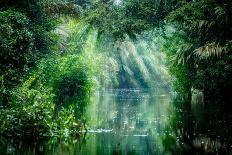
[(199, 129)]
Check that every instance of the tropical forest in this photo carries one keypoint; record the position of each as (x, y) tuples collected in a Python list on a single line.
[(115, 77)]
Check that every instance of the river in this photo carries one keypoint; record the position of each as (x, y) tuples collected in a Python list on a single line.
[(136, 121)]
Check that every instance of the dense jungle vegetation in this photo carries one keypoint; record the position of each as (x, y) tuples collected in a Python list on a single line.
[(48, 67)]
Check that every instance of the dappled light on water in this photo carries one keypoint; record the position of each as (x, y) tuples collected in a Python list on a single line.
[(125, 120)]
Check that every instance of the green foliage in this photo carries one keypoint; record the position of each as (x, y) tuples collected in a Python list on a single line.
[(128, 17), (178, 64), (32, 115), (72, 87), (60, 7), (49, 103), (206, 52), (210, 50), (28, 116), (25, 38), (40, 23), (70, 79), (16, 42), (205, 20)]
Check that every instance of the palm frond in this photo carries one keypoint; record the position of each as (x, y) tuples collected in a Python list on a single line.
[(184, 54), (210, 50), (201, 25)]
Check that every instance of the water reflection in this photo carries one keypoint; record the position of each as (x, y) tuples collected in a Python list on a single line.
[(201, 129), (139, 122)]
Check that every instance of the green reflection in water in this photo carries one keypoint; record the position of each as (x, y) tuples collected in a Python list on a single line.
[(139, 122), (118, 122), (127, 122)]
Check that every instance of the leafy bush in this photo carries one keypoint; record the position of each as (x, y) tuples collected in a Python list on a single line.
[(50, 101), (32, 114), (28, 115), (69, 77), (16, 42), (72, 87)]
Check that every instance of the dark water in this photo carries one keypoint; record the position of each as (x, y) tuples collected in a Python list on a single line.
[(139, 122)]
